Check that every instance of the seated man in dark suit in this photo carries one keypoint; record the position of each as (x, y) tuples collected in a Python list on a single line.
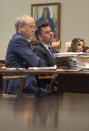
[(43, 49), (20, 55), (45, 37)]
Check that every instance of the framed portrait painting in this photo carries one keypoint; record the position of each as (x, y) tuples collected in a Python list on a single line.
[(47, 13)]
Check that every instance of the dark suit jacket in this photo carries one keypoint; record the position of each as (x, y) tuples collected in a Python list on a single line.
[(20, 55), (44, 54)]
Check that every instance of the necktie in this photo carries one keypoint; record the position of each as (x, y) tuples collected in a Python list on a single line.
[(51, 50)]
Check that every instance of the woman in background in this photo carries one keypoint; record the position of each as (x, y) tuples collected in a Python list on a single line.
[(77, 45)]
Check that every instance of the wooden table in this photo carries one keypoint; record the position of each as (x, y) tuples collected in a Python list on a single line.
[(67, 79), (47, 114)]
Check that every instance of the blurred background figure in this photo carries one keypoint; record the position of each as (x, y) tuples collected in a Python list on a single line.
[(46, 19), (77, 45), (86, 49), (56, 45), (34, 42), (67, 46)]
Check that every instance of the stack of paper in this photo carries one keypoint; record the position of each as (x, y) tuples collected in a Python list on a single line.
[(72, 60)]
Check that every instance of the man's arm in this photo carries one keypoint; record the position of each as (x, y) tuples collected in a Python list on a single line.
[(39, 53), (21, 48)]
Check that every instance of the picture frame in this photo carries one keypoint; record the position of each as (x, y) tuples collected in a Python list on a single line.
[(51, 14)]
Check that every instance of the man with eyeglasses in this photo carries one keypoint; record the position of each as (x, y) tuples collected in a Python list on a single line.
[(20, 55)]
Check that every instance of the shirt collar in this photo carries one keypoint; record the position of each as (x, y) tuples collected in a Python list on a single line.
[(46, 46)]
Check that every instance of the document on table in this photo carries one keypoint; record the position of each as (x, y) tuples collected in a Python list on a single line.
[(43, 68)]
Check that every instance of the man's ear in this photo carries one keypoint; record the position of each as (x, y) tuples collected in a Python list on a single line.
[(20, 27), (39, 37)]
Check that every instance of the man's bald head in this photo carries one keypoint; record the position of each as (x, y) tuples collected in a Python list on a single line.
[(24, 19), (25, 25), (56, 45)]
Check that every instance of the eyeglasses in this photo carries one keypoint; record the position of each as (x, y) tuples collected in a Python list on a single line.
[(32, 27)]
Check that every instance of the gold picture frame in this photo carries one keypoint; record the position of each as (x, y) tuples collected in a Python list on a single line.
[(37, 11)]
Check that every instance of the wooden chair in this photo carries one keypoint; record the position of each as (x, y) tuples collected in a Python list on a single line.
[(49, 77), (19, 94), (2, 63)]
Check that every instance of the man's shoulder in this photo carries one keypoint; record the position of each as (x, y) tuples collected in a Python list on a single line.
[(16, 40), (39, 47), (17, 36)]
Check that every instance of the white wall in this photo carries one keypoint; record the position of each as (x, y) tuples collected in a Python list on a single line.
[(74, 19), (9, 10)]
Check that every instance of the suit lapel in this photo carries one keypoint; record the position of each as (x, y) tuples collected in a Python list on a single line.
[(50, 59), (48, 52)]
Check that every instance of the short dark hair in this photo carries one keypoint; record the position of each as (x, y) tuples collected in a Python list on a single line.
[(39, 29)]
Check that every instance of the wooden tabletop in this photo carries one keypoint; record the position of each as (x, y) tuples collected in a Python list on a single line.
[(69, 113), (43, 71)]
